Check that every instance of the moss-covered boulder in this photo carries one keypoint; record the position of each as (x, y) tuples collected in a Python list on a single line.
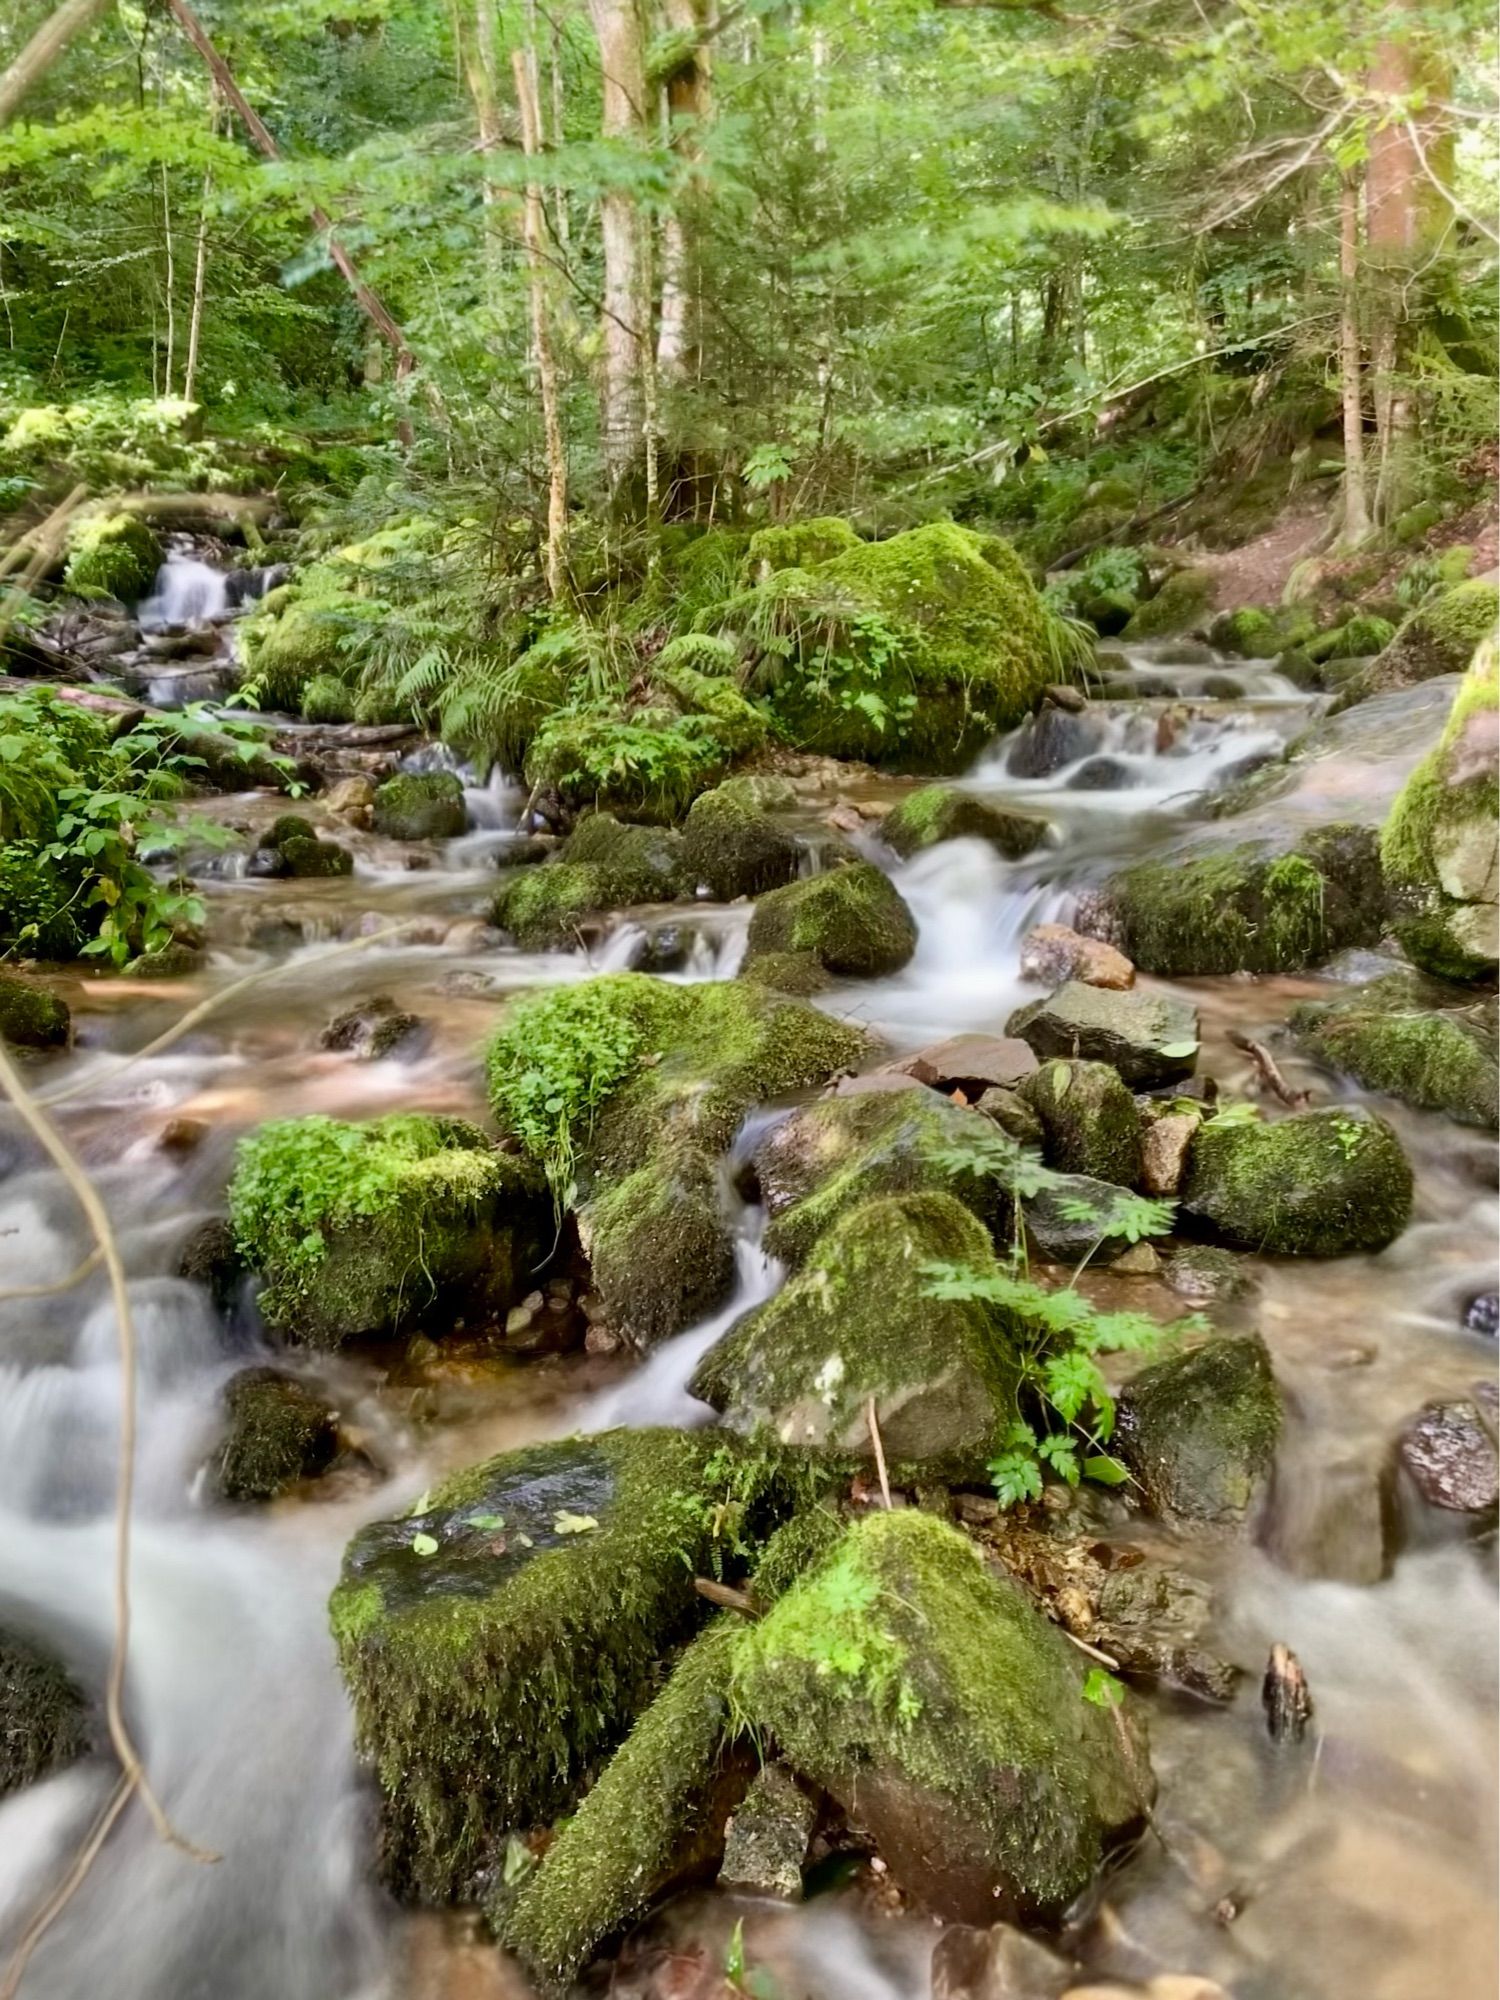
[(798, 973), (277, 1432), (1320, 1183), (628, 1091), (1358, 638), (1183, 603), (1440, 637), (44, 1715), (800, 544), (826, 1158), (1257, 634), (112, 555), (1429, 1045), (1149, 1038), (935, 813), (502, 1636), (605, 865), (1439, 847), (296, 634), (1199, 1431), (948, 1719), (856, 1325), (1090, 1124), (420, 805), (327, 698), (733, 842), (359, 1230), (852, 919), (1276, 903), (31, 1017)]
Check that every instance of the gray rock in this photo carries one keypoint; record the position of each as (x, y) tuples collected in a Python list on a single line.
[(1050, 739), (1199, 1430), (1150, 1038), (766, 1840), (1058, 1237)]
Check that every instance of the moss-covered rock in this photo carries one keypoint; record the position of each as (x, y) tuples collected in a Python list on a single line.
[(940, 812), (800, 544), (112, 555), (1439, 846), (799, 973), (734, 844), (358, 1229), (311, 860), (1429, 1045), (326, 698), (1256, 634), (1182, 603), (605, 865), (1358, 638), (1089, 1120), (1199, 1430), (1440, 637), (852, 920), (31, 1017), (704, 653), (855, 1325), (658, 1243), (420, 805), (1317, 1184), (277, 1432), (648, 764), (1277, 903), (294, 635), (502, 1636), (1149, 1038), (44, 1716), (947, 1717)]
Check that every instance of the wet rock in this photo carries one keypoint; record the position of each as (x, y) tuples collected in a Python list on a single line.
[(426, 805), (527, 1602), (31, 1017), (1482, 1315), (992, 1788), (1140, 1260), (1285, 1696), (1428, 1045), (935, 813), (734, 844), (376, 1028), (1000, 1963), (799, 973), (183, 1135), (1103, 774), (1206, 1275), (851, 919), (1149, 1038), (1051, 739), (1151, 1619), (970, 1063), (766, 1840), (1010, 1111), (659, 1249), (352, 799), (1052, 953), (1139, 687), (1183, 602), (1199, 1430), (170, 961), (472, 934), (210, 1258), (665, 948), (1319, 1183), (44, 1715), (278, 1432), (1164, 1149), (857, 1324), (1059, 1232), (1449, 1452), (605, 865), (1089, 1120)]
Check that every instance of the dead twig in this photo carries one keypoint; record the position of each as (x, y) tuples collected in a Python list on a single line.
[(726, 1598), (76, 1276), (1270, 1075), (67, 1888), (885, 1484)]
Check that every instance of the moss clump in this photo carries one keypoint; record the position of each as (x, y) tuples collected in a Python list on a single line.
[(499, 1639), (734, 845), (1252, 908), (277, 1433), (659, 1250), (112, 555), (326, 698), (1183, 601), (44, 1718), (604, 866), (1089, 1119), (420, 805), (312, 859), (357, 1228), (939, 812), (856, 1324), (1438, 846), (650, 764), (1416, 1041), (800, 544), (1317, 1184), (947, 1717), (715, 705), (1358, 638), (1199, 1430), (31, 1017), (851, 919), (1440, 637), (795, 972), (1255, 634), (295, 635)]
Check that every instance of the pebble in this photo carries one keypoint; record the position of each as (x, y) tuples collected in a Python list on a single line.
[(1164, 1149), (1052, 953), (182, 1135)]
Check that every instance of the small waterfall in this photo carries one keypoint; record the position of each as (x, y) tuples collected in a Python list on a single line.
[(186, 593)]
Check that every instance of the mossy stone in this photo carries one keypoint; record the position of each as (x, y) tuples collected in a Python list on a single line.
[(44, 1715), (313, 860), (425, 805), (734, 844), (327, 699), (277, 1432), (799, 973), (659, 1248), (1199, 1430), (800, 544), (650, 763), (1183, 601), (1090, 1123), (852, 919), (31, 1017), (936, 813), (947, 1718), (1257, 634), (1440, 637), (605, 865), (358, 1230), (1321, 1183), (500, 1638), (295, 635), (112, 555), (1428, 1045), (1149, 1038)]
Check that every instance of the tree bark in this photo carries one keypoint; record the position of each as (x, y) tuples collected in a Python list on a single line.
[(44, 48), (479, 71), (625, 328), (528, 99), (1351, 372), (689, 106), (200, 267)]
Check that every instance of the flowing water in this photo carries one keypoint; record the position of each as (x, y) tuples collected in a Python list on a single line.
[(1365, 1865)]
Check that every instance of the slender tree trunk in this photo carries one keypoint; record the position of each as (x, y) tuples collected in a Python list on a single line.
[(1351, 373), (625, 330), (44, 48), (171, 280), (200, 265), (479, 72), (688, 110), (528, 98), (559, 127)]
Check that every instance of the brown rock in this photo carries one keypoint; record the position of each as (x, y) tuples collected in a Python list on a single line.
[(1448, 1451), (1164, 1147), (844, 818), (1052, 953), (182, 1135), (970, 1063), (1000, 1963), (1139, 1261), (352, 799)]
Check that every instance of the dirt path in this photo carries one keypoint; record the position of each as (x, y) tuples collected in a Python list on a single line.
[(1256, 573)]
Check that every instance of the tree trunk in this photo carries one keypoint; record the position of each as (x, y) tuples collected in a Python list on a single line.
[(1351, 374), (625, 328), (200, 266), (44, 48), (171, 279), (528, 98), (479, 72), (688, 111)]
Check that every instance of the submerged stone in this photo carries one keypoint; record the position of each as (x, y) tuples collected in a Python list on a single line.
[(374, 1029), (1050, 740), (1089, 1120), (1149, 1038), (277, 1433), (1425, 1044), (947, 1717), (1319, 1183), (1199, 1430), (1052, 953), (1450, 1454), (426, 805), (936, 813), (44, 1715), (852, 920)]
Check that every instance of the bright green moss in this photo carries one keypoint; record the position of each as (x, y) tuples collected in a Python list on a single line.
[(420, 805), (604, 866), (1184, 600), (1199, 1430), (794, 972), (1320, 1183), (935, 813), (1260, 635), (1440, 636), (31, 1017), (733, 843), (277, 1432), (800, 544), (851, 919), (1089, 1120), (112, 555), (325, 698), (294, 636), (660, 1253), (1409, 1039), (651, 765), (1358, 638), (738, 726), (314, 859)]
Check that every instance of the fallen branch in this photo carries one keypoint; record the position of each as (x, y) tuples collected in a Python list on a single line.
[(1270, 1075), (726, 1598), (885, 1484), (76, 1276), (66, 1889)]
